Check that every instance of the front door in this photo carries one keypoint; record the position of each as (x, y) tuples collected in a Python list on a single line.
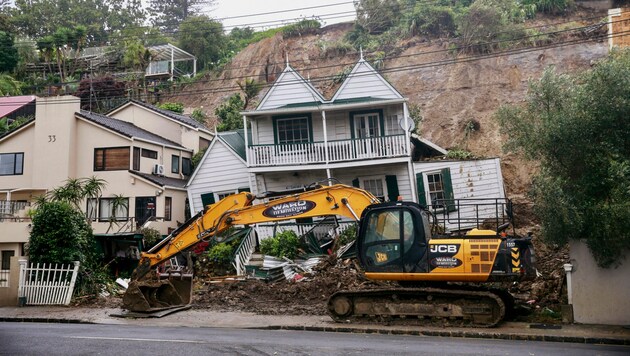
[(145, 209)]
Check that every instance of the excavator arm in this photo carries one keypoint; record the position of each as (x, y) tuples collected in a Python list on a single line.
[(239, 209)]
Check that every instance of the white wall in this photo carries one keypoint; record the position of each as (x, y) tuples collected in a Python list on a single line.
[(221, 170), (600, 296)]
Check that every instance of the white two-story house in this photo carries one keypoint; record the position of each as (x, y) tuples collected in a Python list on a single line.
[(362, 136)]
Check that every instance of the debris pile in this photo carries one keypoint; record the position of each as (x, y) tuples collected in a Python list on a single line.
[(304, 296)]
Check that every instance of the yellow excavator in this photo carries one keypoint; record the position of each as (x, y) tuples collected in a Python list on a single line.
[(395, 242)]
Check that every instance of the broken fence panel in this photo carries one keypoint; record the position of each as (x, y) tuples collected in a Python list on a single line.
[(46, 285)]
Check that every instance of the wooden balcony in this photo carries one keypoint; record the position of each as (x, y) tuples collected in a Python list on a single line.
[(338, 151)]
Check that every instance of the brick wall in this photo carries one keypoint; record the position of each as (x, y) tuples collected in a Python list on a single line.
[(619, 27)]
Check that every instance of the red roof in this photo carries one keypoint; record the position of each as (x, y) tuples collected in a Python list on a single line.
[(9, 104)]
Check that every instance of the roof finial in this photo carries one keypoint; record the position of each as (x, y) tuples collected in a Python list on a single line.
[(361, 52), (287, 54)]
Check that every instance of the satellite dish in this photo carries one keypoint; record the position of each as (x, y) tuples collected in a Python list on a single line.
[(410, 124)]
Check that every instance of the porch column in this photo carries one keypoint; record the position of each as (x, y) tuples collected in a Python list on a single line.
[(406, 124), (325, 136), (194, 67), (246, 141)]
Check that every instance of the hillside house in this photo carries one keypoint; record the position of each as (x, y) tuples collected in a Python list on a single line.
[(145, 166), (360, 137)]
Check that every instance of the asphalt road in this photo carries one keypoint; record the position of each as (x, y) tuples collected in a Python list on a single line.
[(87, 339)]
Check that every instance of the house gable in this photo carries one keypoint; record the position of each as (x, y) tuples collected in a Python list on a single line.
[(290, 88), (365, 82)]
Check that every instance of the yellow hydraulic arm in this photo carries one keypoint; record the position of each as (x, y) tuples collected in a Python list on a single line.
[(238, 209)]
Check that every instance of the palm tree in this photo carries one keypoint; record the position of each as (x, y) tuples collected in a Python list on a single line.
[(118, 202)]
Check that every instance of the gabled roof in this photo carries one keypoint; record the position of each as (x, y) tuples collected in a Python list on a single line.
[(126, 128), (235, 140), (187, 120), (362, 80), (11, 132), (289, 88), (161, 181)]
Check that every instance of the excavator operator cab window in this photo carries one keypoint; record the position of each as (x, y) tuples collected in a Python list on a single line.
[(391, 240)]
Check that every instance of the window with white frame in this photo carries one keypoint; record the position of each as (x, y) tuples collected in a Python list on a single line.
[(367, 125), (293, 130), (435, 187), (393, 125), (222, 195), (375, 185), (113, 209)]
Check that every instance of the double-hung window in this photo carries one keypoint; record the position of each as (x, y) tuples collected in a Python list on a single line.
[(11, 164)]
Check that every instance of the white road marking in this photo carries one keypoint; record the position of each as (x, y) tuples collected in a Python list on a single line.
[(134, 339)]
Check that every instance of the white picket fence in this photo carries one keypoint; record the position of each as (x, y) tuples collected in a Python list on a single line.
[(46, 285)]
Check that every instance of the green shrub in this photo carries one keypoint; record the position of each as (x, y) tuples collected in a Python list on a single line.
[(460, 154), (221, 253), (430, 20), (151, 236), (334, 49), (348, 235), (303, 27), (174, 107), (285, 244)]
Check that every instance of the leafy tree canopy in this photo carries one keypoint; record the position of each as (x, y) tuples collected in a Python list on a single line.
[(229, 114), (203, 37), (174, 107), (169, 14), (8, 54), (577, 127)]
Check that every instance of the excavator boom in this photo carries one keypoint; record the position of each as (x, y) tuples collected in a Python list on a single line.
[(237, 209)]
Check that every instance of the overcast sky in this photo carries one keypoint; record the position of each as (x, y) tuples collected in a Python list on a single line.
[(284, 11)]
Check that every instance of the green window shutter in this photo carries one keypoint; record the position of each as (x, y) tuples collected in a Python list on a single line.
[(352, 136), (355, 183), (422, 196), (392, 188), (448, 189), (207, 199), (244, 189)]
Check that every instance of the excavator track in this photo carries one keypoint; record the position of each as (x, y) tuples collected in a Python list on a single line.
[(417, 306)]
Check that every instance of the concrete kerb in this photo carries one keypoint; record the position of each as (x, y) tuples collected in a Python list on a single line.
[(518, 332)]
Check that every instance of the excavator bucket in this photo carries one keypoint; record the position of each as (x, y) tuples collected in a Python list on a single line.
[(152, 295)]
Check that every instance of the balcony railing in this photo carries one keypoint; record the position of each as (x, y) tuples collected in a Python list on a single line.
[(338, 151), (9, 207)]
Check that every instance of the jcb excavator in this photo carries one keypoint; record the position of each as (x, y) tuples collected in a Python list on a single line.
[(395, 242)]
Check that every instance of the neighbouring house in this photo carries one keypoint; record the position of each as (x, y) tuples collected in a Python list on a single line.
[(361, 137), (13, 107), (145, 167), (619, 27)]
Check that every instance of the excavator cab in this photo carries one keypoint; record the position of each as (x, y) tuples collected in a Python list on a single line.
[(393, 238)]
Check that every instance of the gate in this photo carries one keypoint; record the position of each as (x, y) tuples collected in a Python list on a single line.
[(46, 285)]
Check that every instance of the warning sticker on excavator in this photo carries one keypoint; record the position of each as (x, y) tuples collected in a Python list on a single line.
[(285, 210), (380, 257)]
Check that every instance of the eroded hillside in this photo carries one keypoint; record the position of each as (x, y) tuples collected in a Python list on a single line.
[(453, 92)]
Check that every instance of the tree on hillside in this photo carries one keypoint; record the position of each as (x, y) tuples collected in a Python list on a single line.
[(101, 18), (229, 114), (377, 16), (9, 86), (577, 127), (204, 38), (169, 14), (8, 54)]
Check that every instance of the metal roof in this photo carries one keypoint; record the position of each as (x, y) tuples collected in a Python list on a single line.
[(168, 51), (9, 104), (126, 128), (235, 141), (162, 181)]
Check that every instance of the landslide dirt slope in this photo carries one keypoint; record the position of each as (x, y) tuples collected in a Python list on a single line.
[(450, 96)]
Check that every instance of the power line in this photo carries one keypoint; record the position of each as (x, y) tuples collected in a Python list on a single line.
[(422, 65), (492, 43)]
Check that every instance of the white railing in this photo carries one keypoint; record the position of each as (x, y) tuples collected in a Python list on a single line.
[(244, 253), (46, 285), (10, 207), (265, 231), (338, 150), (5, 275), (159, 67)]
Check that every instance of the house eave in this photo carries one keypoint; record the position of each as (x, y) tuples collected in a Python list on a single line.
[(329, 106), (324, 166)]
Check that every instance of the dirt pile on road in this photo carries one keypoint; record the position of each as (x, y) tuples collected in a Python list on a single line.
[(306, 296)]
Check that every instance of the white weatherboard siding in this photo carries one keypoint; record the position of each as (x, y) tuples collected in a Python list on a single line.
[(364, 81), (220, 171), (470, 179), (290, 88)]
